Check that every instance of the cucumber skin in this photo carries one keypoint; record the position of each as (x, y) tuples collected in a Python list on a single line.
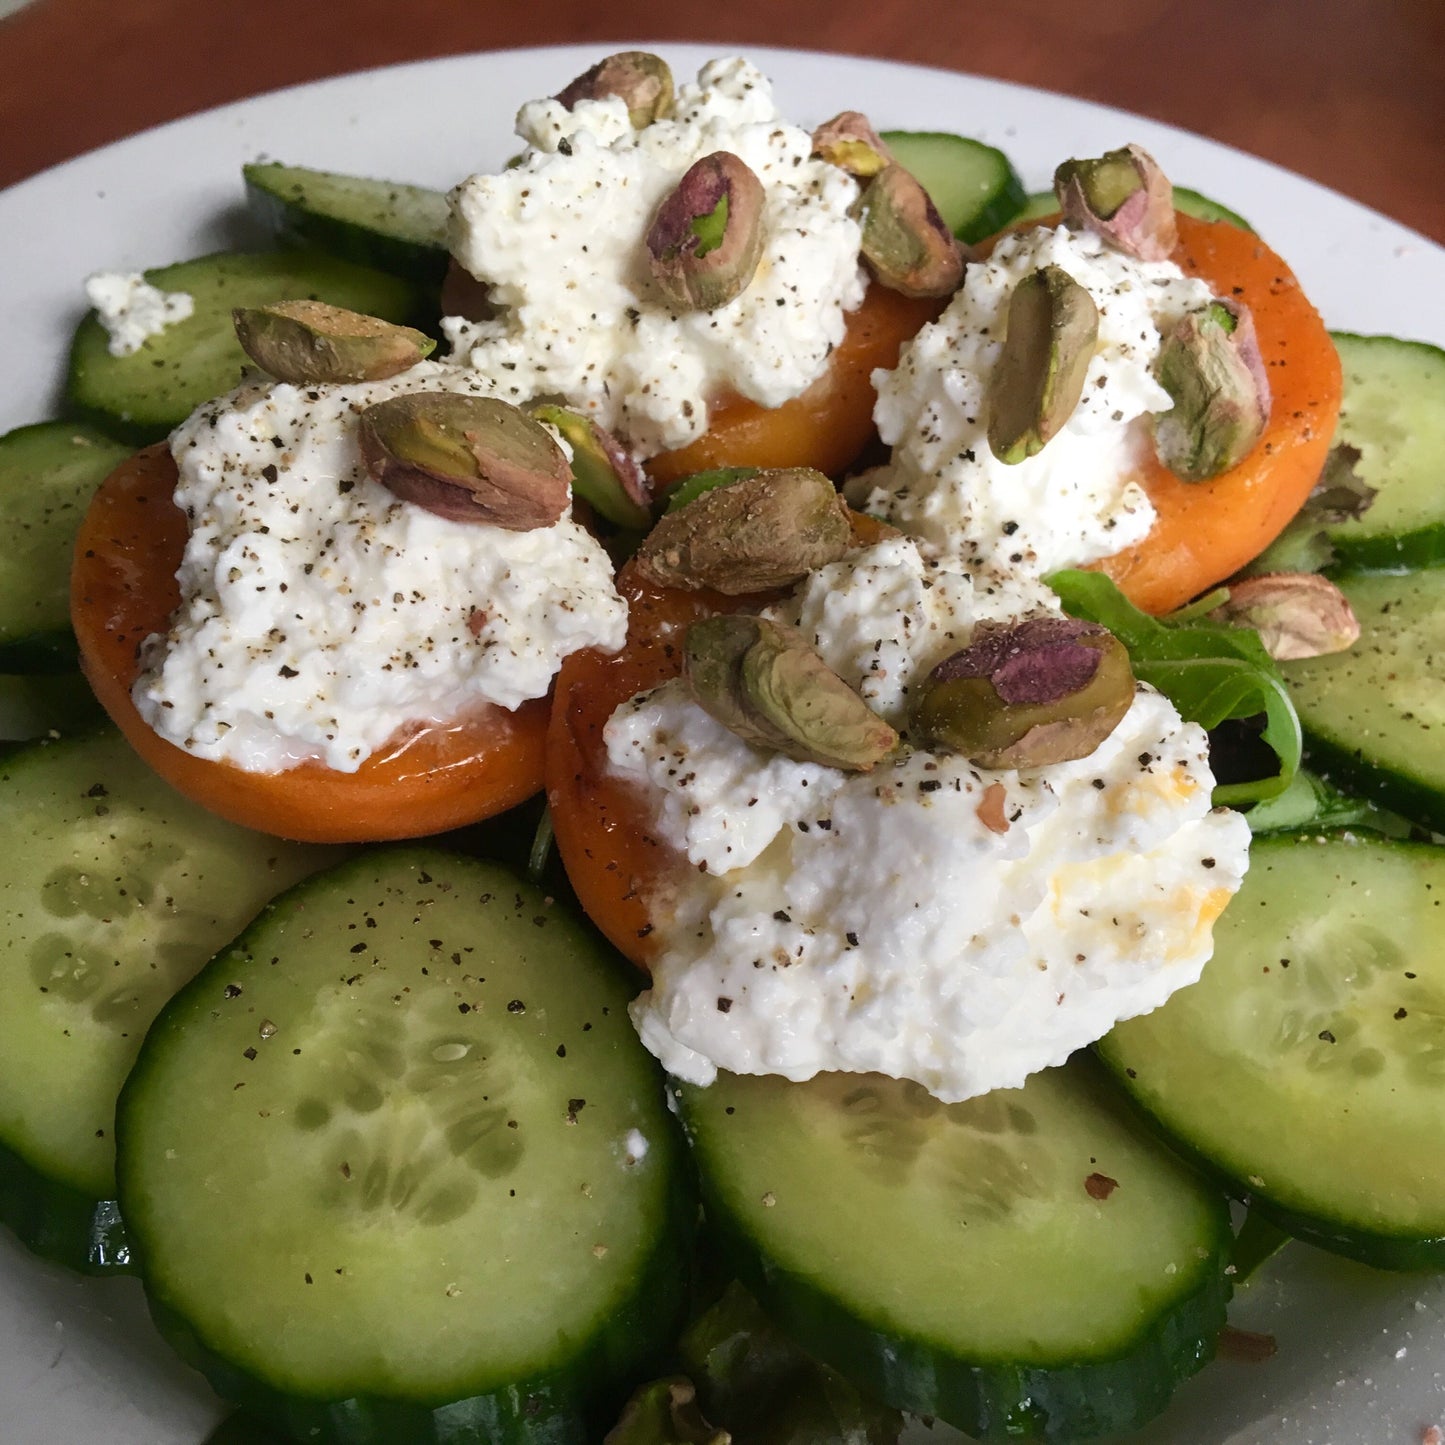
[(1191, 203), (48, 650), (293, 224), (1001, 209), (561, 1408), (571, 1406), (1381, 1251), (993, 1401), (1419, 548), (48, 653), (60, 1223), (88, 389), (1347, 769)]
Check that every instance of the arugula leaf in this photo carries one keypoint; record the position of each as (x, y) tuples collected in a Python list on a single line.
[(1210, 671)]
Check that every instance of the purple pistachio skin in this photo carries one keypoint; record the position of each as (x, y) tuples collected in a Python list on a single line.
[(706, 240)]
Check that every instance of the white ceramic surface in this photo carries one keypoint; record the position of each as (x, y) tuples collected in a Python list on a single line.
[(1361, 1356)]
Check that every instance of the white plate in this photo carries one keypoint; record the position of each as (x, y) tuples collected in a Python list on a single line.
[(1361, 1355)]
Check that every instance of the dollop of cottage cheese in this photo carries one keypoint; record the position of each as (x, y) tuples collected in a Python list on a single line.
[(321, 615), (132, 310), (1075, 501), (877, 922), (560, 239)]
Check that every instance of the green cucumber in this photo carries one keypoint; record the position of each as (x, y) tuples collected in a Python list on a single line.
[(1393, 413), (397, 1168), (39, 705), (1027, 1263), (394, 227), (1190, 203), (141, 397), (1308, 1064), (48, 473), (116, 890), (975, 187), (1374, 715)]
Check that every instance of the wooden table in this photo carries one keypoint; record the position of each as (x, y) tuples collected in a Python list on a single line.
[(1349, 92)]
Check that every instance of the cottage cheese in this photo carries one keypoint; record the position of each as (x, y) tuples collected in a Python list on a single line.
[(875, 922), (321, 615), (132, 310), (560, 240), (1075, 501)]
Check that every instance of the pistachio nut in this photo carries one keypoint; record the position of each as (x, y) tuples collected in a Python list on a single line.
[(769, 529), (1052, 330), (306, 342), (906, 243), (665, 1410), (466, 458), (765, 683), (604, 475), (849, 142), (1297, 614), (1026, 694), (1125, 197), (641, 80), (1211, 367), (706, 239)]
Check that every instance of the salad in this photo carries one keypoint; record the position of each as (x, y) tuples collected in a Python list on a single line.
[(584, 1116)]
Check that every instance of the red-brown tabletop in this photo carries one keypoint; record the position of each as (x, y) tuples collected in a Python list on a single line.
[(1348, 92)]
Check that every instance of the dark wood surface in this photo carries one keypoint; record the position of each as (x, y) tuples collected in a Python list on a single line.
[(1349, 92)]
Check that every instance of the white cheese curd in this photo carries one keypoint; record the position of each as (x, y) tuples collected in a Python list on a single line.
[(321, 615), (560, 239), (931, 920), (1075, 501), (132, 310)]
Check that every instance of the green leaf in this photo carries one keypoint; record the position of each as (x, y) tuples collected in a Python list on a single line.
[(1210, 671), (757, 1383), (1314, 803)]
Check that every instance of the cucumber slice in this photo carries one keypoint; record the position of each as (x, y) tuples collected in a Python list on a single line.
[(48, 473), (1374, 716), (1191, 203), (952, 1260), (38, 705), (1308, 1064), (397, 1168), (1393, 411), (116, 890), (140, 397), (976, 189), (394, 227)]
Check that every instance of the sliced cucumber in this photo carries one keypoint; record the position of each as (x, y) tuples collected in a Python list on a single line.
[(1374, 716), (976, 189), (39, 705), (1308, 1064), (116, 890), (1024, 1263), (47, 475), (1393, 412), (140, 397), (386, 224), (1191, 203), (398, 1169)]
